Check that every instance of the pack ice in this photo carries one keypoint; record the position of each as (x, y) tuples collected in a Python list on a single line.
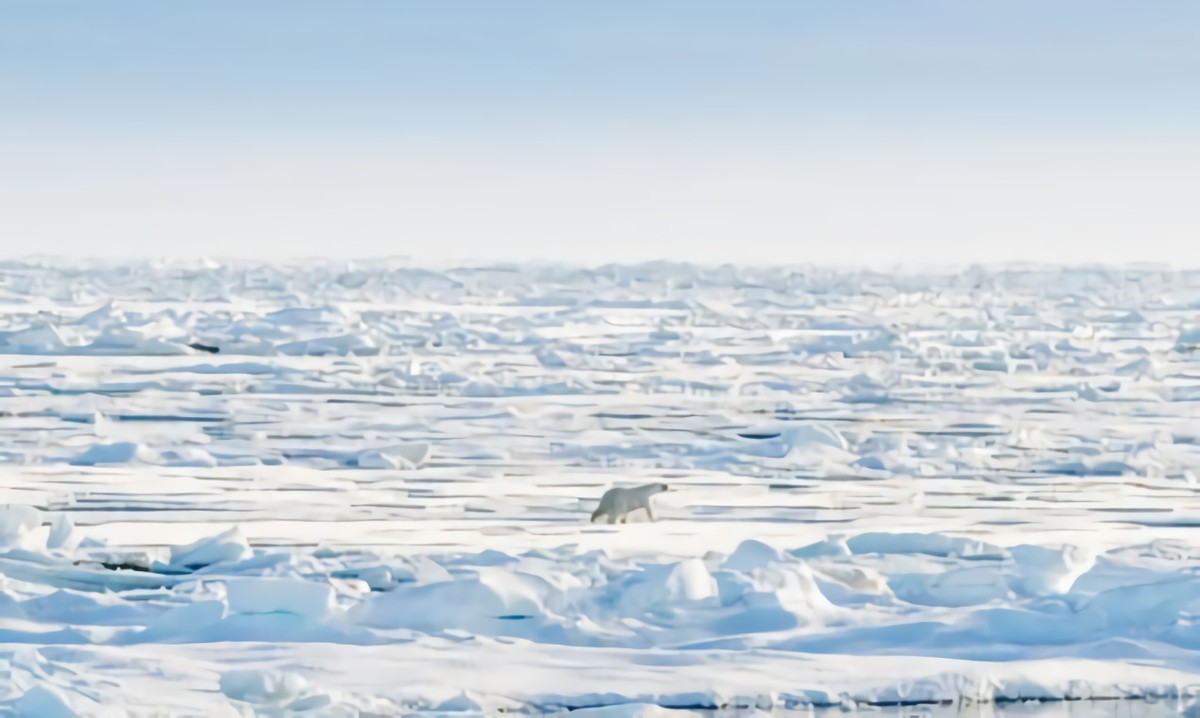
[(322, 488)]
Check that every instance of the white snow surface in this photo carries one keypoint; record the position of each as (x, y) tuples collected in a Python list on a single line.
[(919, 488)]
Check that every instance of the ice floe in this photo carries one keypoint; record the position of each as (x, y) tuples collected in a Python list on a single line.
[(364, 488)]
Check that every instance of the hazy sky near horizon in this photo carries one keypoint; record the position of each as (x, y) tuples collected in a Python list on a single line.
[(791, 130)]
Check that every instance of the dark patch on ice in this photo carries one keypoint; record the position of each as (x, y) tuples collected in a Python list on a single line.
[(960, 432), (607, 415), (1181, 523), (768, 435), (156, 568)]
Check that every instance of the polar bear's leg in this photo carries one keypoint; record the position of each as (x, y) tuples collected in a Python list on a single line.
[(650, 512)]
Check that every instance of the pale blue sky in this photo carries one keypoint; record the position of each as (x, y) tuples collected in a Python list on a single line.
[(836, 131)]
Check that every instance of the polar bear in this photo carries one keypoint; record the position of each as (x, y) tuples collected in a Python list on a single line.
[(616, 504)]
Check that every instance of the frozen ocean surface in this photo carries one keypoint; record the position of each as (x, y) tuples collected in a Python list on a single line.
[(955, 493)]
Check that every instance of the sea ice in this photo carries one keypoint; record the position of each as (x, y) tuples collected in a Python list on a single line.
[(373, 497)]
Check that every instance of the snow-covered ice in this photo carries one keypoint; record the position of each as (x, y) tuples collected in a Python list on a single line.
[(912, 488)]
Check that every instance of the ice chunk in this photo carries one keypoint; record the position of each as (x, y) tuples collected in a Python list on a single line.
[(660, 586), (62, 534), (42, 338), (865, 580), (188, 456), (969, 586), (269, 594), (43, 701), (128, 452), (792, 588), (461, 703), (401, 456), (377, 578), (471, 603), (262, 687), (633, 710), (301, 316), (796, 441), (16, 522), (420, 569), (931, 544), (751, 554), (1188, 339), (1144, 367), (690, 581), (129, 341), (122, 452), (191, 621), (101, 426), (1043, 570), (344, 345), (229, 545), (832, 547), (816, 435)]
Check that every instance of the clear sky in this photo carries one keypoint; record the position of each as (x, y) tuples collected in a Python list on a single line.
[(792, 131)]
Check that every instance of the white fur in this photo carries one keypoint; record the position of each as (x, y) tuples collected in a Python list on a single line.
[(616, 504)]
